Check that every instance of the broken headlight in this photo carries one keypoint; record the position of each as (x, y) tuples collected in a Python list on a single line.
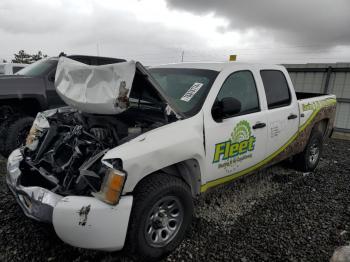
[(31, 138), (40, 123), (111, 187)]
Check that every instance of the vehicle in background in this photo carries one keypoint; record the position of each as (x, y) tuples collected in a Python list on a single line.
[(128, 179), (28, 92), (10, 68)]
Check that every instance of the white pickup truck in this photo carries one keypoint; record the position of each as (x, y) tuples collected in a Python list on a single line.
[(128, 179)]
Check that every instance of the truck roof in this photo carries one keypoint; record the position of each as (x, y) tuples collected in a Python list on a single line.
[(219, 66), (13, 64)]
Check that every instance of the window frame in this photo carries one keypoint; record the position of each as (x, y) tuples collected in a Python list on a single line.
[(288, 87), (240, 113)]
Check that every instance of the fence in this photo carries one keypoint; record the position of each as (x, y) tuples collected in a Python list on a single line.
[(328, 79)]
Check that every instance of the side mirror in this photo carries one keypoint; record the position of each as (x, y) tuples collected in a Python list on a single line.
[(226, 107)]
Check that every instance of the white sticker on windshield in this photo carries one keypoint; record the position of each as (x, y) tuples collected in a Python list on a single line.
[(191, 92)]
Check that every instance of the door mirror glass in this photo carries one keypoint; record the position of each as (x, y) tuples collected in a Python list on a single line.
[(230, 106), (226, 107)]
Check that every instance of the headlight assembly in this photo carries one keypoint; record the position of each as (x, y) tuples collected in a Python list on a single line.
[(111, 187)]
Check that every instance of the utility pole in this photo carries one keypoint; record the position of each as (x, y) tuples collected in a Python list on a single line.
[(182, 55), (98, 48)]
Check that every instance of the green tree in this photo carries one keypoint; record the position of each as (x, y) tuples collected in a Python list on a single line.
[(38, 56), (22, 57), (25, 58)]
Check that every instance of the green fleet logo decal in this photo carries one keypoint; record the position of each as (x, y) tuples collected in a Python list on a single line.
[(237, 148)]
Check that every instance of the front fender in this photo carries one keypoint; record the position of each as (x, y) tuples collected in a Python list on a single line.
[(159, 148)]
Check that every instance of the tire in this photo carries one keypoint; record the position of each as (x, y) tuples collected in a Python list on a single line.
[(17, 133), (308, 160), (4, 127), (161, 214)]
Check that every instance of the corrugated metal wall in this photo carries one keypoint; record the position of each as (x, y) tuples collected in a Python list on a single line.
[(326, 78)]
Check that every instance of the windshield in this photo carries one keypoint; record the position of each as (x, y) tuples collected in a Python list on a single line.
[(39, 67), (187, 88)]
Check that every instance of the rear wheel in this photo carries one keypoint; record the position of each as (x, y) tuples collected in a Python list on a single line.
[(309, 158), (17, 133), (161, 214)]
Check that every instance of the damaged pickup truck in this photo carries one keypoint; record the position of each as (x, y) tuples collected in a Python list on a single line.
[(121, 165)]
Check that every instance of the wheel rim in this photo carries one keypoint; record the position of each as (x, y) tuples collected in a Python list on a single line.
[(164, 221), (314, 153)]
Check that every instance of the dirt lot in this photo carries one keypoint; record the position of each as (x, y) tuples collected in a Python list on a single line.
[(277, 215)]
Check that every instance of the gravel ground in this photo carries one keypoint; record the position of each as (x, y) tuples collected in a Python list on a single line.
[(277, 215)]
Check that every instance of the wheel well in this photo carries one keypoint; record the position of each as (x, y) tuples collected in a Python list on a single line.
[(321, 126), (28, 106), (187, 170)]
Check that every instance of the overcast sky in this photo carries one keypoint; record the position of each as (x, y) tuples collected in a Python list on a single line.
[(158, 31)]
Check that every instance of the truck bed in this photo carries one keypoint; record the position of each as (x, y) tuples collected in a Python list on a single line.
[(304, 95)]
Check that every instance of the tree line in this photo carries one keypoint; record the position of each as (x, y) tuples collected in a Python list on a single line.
[(23, 57)]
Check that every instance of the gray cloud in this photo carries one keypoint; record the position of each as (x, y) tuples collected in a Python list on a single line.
[(33, 26), (263, 30), (307, 23)]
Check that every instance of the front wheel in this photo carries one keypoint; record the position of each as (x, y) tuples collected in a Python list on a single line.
[(309, 158), (162, 212)]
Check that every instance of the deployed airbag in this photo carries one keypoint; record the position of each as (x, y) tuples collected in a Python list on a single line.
[(103, 89)]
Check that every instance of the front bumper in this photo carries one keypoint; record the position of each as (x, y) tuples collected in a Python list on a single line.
[(80, 221), (36, 202)]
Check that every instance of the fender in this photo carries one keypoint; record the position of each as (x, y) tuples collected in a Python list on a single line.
[(160, 148)]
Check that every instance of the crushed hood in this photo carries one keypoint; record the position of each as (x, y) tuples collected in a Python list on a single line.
[(106, 89)]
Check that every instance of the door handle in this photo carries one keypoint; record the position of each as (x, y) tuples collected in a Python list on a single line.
[(292, 116), (259, 125)]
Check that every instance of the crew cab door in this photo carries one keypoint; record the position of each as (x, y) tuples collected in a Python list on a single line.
[(283, 111), (237, 142)]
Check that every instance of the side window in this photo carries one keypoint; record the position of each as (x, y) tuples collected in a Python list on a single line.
[(241, 86), (276, 88), (15, 69)]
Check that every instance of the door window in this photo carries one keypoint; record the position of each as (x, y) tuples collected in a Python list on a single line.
[(15, 69), (241, 86), (276, 88)]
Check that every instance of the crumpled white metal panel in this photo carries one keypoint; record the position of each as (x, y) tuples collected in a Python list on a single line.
[(103, 89)]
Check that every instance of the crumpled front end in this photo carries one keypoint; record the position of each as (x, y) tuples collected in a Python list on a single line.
[(62, 157), (36, 202), (78, 220), (59, 176)]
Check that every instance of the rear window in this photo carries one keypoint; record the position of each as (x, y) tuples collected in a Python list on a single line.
[(276, 88)]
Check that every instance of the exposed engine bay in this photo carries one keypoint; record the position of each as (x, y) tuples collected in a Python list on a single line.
[(64, 149), (108, 106)]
